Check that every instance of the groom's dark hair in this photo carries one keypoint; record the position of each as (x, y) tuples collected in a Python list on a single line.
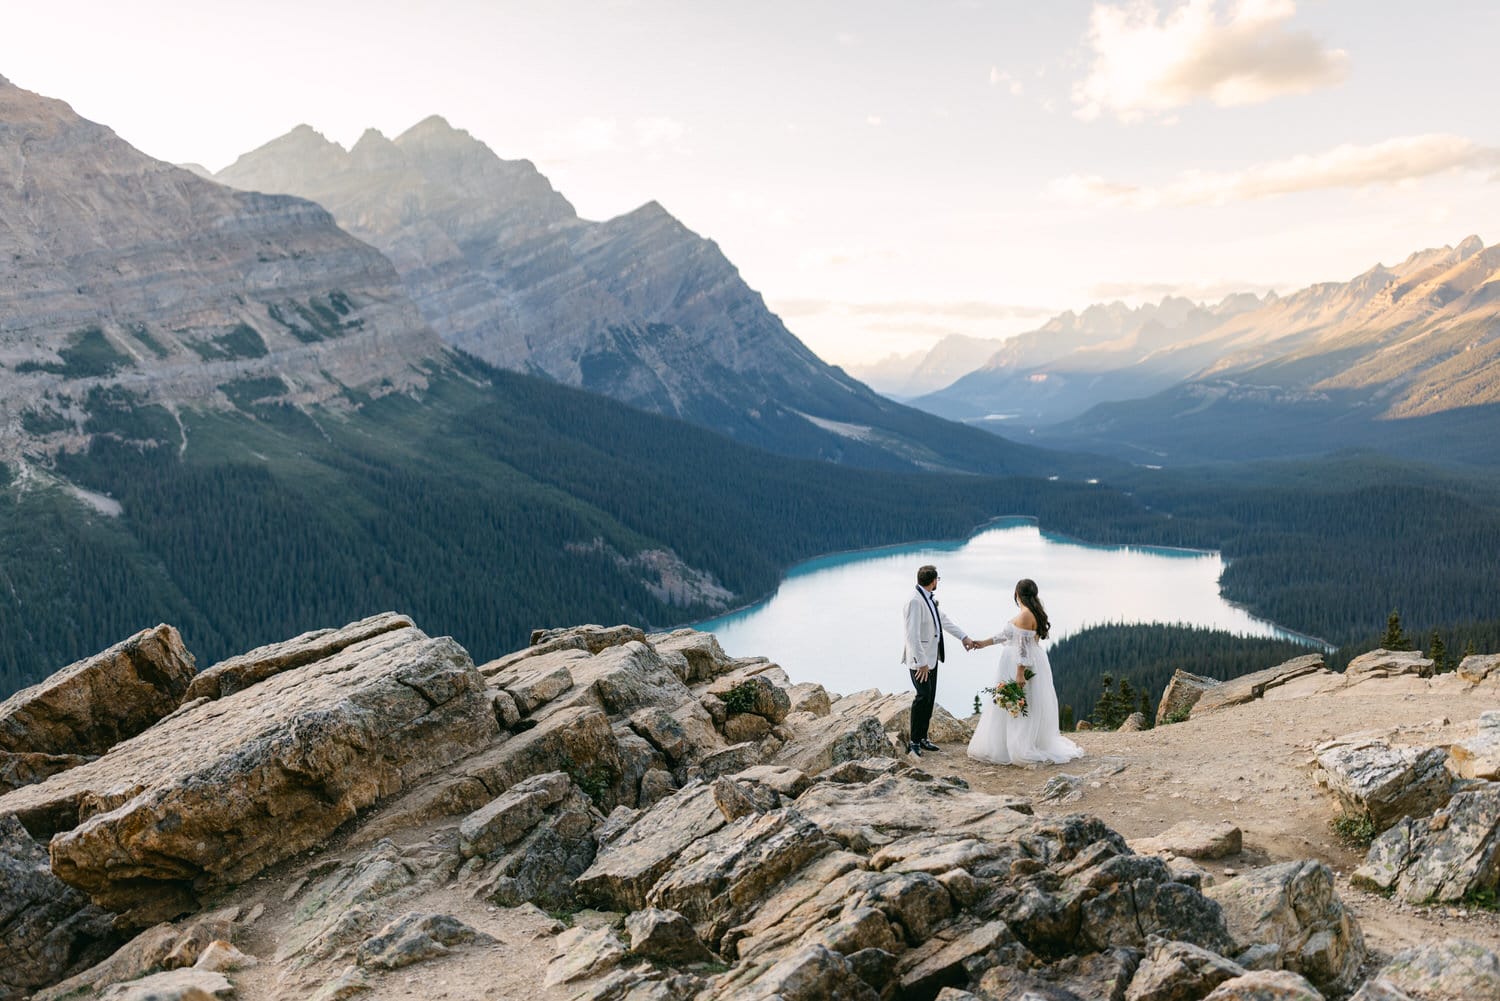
[(926, 575)]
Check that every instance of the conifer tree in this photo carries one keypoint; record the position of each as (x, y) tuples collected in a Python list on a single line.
[(1104, 709), (1438, 651), (1394, 638), (1146, 710), (1065, 719)]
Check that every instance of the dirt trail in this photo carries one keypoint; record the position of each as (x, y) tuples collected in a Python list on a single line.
[(1253, 765)]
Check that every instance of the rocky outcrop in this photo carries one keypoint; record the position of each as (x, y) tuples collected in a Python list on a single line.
[(1249, 687), (1181, 694), (1373, 779), (1387, 664), (1194, 839), (733, 871), (211, 796), (88, 707), (48, 930), (238, 673), (1476, 668), (1445, 858), (1451, 968), (1294, 906), (1479, 756)]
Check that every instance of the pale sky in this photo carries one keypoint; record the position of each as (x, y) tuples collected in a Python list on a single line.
[(882, 172)]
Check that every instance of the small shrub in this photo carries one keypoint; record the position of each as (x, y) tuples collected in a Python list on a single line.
[(1483, 898), (740, 698), (593, 782), (1354, 829), (1177, 715)]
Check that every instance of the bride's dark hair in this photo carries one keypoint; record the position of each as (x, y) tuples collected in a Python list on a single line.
[(1026, 595)]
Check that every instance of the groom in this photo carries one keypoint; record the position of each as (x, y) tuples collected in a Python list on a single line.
[(923, 652)]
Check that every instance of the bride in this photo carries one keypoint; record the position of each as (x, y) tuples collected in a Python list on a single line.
[(1005, 739)]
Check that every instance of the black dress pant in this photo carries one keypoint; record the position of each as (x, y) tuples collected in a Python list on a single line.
[(921, 706)]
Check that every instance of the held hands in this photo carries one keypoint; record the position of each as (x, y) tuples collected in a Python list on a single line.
[(970, 644)]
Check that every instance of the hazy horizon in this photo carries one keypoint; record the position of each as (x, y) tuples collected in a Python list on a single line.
[(884, 174)]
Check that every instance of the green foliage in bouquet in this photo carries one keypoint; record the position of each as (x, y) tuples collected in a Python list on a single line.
[(1011, 696)]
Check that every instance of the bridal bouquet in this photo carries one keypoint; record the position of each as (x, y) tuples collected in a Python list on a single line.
[(1011, 696)]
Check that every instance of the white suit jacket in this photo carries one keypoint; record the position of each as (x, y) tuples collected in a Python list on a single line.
[(922, 632)]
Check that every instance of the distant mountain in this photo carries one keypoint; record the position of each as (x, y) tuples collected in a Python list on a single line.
[(907, 375), (638, 308), (1334, 365), (124, 278), (219, 409), (1075, 360)]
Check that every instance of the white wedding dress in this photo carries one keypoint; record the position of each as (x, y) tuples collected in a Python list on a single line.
[(1013, 740)]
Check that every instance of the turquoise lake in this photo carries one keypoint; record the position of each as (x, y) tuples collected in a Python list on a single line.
[(837, 619)]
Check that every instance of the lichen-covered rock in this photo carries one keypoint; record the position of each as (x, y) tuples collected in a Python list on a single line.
[(541, 866), (163, 947), (1439, 859), (1295, 906), (1387, 664), (629, 865), (815, 973), (1130, 897), (1479, 756), (830, 740), (512, 814), (213, 796), (348, 902), (1479, 667), (173, 985), (1448, 968), (1179, 971), (48, 930), (413, 937), (240, 672), (706, 660), (91, 705), (1385, 783), (594, 638), (894, 712), (757, 694), (666, 937), (1194, 839), (810, 697), (663, 729), (1265, 985), (25, 768), (1254, 686), (1182, 693), (583, 953)]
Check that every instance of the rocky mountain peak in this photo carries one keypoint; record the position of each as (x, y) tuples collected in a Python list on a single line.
[(1468, 247)]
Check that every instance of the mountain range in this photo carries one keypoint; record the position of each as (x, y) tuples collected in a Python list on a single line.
[(638, 308), (1405, 358), (219, 408)]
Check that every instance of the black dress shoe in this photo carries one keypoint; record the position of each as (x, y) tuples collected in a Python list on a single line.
[(914, 748), (928, 745)]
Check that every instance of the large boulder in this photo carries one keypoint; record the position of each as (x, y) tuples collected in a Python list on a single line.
[(1448, 968), (26, 768), (1249, 687), (211, 796), (1384, 783), (1479, 667), (1387, 664), (1265, 985), (240, 672), (1195, 839), (163, 947), (1182, 694), (1179, 971), (1479, 756), (894, 713), (537, 838), (626, 869), (89, 706), (48, 930), (1443, 858), (1294, 906), (821, 742)]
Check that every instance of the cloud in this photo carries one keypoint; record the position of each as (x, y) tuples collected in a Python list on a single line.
[(1002, 78), (592, 136), (1401, 160), (1146, 64)]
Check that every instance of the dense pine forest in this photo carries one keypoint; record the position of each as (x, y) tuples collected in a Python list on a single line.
[(497, 503)]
